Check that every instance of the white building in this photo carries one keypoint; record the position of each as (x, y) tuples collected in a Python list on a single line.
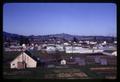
[(65, 44), (63, 62), (114, 53), (110, 52), (104, 43), (24, 46), (36, 45), (31, 48), (44, 45), (97, 50), (80, 41), (79, 44), (59, 47), (39, 47), (69, 41), (115, 42), (50, 44), (32, 44), (14, 48), (23, 60), (91, 42), (77, 49), (50, 48), (45, 41), (58, 42), (88, 42)]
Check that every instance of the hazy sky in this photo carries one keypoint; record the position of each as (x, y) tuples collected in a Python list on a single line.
[(54, 18)]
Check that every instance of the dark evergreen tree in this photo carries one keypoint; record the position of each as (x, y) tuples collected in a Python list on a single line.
[(9, 42), (24, 40), (75, 39), (94, 38), (64, 40)]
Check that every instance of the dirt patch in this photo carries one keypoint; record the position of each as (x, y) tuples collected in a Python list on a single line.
[(68, 75)]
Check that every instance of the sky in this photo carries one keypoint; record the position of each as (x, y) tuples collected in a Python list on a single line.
[(54, 18)]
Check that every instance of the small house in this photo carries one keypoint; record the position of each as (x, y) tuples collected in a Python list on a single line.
[(114, 53), (66, 44), (104, 43), (23, 60), (63, 62), (24, 46)]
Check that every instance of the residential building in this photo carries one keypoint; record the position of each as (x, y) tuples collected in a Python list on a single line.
[(22, 61)]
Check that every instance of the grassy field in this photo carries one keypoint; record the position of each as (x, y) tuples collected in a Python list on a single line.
[(51, 73), (70, 72)]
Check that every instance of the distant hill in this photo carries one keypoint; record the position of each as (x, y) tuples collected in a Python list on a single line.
[(12, 36), (6, 34), (62, 35)]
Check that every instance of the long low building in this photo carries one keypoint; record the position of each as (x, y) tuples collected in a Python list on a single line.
[(76, 49)]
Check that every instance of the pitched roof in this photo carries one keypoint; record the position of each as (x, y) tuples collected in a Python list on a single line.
[(30, 54), (13, 55), (109, 51), (10, 56)]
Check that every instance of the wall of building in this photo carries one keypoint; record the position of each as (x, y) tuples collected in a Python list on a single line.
[(30, 63), (77, 50)]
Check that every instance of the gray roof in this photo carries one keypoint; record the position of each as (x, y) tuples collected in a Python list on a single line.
[(10, 56), (109, 51)]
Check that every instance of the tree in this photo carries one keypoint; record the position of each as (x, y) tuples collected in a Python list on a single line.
[(75, 39), (9, 42), (64, 40), (24, 40), (94, 38), (57, 56)]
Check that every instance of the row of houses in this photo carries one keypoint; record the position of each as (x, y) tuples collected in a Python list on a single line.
[(26, 60), (88, 44), (66, 48)]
